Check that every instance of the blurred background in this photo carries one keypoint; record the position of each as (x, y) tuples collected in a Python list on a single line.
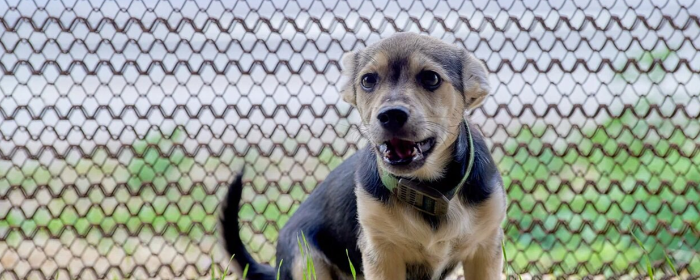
[(122, 123)]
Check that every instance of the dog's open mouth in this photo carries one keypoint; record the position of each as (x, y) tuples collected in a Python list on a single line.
[(402, 152)]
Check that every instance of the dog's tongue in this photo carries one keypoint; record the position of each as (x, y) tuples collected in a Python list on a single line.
[(403, 149)]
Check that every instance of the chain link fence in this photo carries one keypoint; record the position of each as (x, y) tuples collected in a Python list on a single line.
[(121, 124)]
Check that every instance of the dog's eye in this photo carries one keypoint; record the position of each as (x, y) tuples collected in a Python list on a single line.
[(430, 80), (369, 81)]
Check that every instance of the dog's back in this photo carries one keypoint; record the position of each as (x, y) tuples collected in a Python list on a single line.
[(328, 219)]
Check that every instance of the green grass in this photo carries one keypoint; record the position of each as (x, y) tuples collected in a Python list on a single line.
[(352, 267), (245, 271), (213, 270), (279, 268), (305, 252), (647, 261)]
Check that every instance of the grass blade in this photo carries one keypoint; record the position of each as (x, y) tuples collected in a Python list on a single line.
[(301, 254), (670, 263), (213, 268), (639, 242), (310, 269), (245, 271), (650, 270), (279, 268), (227, 267), (505, 259), (352, 267)]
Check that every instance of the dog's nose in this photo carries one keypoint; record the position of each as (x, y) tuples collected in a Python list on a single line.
[(393, 118)]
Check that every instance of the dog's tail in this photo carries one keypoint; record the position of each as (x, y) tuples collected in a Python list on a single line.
[(232, 239)]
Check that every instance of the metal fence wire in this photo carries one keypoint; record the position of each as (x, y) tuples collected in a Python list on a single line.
[(122, 124)]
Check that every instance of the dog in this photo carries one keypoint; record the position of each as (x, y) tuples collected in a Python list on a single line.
[(421, 198)]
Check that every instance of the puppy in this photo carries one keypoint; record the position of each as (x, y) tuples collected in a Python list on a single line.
[(421, 198)]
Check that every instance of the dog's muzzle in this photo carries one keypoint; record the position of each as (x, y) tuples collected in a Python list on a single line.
[(423, 197), (401, 152)]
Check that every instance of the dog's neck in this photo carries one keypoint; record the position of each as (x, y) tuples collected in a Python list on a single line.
[(461, 153)]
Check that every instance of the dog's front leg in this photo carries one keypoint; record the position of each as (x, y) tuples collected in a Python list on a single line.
[(380, 261), (382, 266), (487, 262)]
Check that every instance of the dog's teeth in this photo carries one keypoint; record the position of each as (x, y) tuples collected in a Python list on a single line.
[(383, 148), (417, 153), (425, 145)]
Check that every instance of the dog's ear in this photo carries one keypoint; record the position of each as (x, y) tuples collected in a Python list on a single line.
[(349, 63), (475, 82)]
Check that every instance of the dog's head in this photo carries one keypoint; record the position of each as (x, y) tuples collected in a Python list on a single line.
[(412, 92)]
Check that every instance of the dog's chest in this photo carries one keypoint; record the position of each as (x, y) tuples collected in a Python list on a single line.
[(438, 246), (431, 251)]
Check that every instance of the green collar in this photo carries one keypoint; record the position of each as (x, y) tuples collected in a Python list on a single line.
[(422, 197)]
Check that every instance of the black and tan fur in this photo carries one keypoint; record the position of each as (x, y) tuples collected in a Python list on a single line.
[(351, 209)]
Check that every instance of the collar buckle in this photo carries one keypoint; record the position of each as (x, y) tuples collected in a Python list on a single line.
[(422, 198)]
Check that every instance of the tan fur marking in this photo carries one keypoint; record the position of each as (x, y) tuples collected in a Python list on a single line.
[(486, 263), (324, 269), (348, 90), (393, 236), (320, 265), (476, 84)]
